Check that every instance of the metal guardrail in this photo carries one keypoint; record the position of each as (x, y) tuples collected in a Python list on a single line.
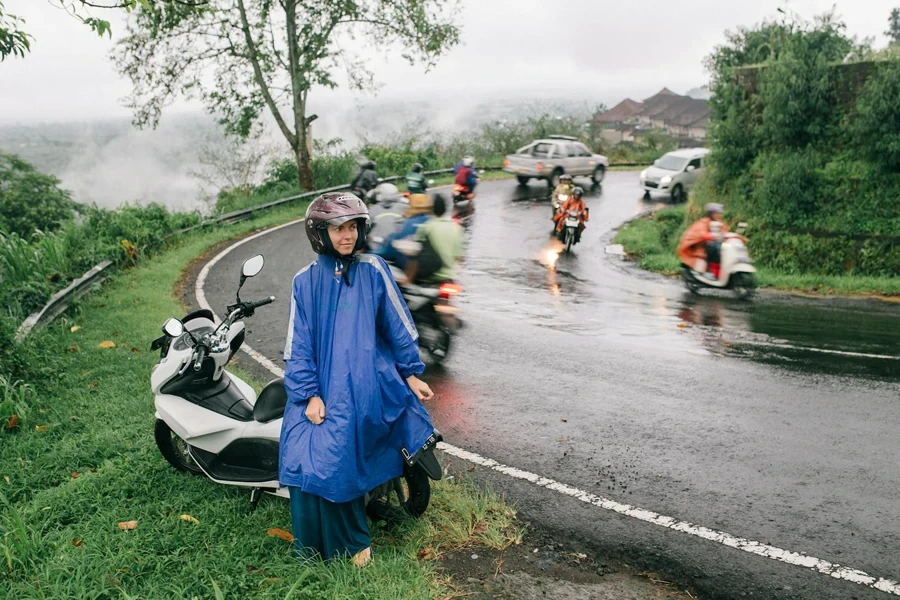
[(61, 300)]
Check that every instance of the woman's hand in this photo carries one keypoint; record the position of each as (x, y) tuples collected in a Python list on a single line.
[(315, 410), (419, 388)]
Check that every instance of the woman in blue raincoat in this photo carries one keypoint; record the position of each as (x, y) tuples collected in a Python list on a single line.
[(352, 366)]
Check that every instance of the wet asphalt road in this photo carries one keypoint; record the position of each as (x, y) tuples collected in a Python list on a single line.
[(620, 383)]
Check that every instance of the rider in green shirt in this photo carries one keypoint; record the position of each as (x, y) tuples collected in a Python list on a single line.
[(447, 239), (415, 181)]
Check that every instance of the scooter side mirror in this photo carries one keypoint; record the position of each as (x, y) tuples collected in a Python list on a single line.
[(173, 328), (253, 265), (690, 168)]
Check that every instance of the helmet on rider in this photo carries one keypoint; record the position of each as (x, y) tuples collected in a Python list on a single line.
[(713, 208), (468, 161), (419, 204), (564, 178), (577, 192), (334, 208), (417, 168)]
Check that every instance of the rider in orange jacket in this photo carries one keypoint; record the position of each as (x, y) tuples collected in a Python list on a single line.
[(575, 202)]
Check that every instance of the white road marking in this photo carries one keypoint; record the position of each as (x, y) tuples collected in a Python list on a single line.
[(822, 350), (726, 539)]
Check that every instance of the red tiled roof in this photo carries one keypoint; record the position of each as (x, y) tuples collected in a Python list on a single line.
[(622, 111)]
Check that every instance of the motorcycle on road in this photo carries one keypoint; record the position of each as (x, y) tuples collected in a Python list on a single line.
[(736, 271), (210, 422)]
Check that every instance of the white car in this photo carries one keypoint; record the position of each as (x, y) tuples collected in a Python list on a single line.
[(675, 173)]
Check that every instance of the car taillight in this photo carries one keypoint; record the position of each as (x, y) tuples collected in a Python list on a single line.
[(506, 163), (539, 166), (448, 290)]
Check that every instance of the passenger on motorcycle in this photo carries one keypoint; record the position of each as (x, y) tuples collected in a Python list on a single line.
[(443, 244), (418, 213), (366, 179), (351, 377), (415, 180), (700, 246), (465, 174), (575, 202)]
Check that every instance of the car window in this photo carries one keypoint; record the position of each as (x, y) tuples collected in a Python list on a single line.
[(541, 150), (695, 163), (574, 150), (583, 150), (559, 151)]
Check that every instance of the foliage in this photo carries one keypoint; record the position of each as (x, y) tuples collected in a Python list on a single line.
[(30, 200), (893, 31), (13, 41), (244, 57), (806, 147)]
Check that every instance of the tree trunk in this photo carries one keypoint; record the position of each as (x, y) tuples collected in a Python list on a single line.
[(304, 168)]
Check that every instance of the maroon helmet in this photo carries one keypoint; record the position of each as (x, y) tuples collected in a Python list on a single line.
[(334, 208)]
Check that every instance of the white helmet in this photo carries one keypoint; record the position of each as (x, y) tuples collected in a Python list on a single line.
[(468, 161)]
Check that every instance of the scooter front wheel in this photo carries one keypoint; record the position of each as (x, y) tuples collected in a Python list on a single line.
[(401, 498), (174, 449)]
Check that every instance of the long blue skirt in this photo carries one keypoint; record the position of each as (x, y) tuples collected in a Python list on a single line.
[(327, 529)]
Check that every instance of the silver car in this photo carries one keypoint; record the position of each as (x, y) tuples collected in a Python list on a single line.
[(675, 173), (551, 158)]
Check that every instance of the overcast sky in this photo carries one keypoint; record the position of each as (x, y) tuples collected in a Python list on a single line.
[(602, 50)]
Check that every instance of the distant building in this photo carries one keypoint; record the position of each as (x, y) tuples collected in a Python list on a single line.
[(680, 116)]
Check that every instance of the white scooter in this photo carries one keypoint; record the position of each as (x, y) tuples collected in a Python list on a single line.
[(210, 422), (736, 271)]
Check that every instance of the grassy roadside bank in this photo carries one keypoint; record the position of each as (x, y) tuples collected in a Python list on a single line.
[(651, 241), (86, 461)]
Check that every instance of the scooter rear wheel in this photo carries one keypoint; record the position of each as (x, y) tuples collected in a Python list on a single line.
[(403, 497), (174, 449)]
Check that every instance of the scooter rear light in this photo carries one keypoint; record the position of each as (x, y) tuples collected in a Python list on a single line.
[(448, 290)]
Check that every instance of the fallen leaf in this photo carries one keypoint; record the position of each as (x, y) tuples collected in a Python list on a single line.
[(74, 418), (12, 421), (280, 534), (252, 569), (6, 479), (564, 439), (425, 553), (75, 474), (76, 542), (135, 350), (41, 427), (73, 348), (94, 384), (128, 525), (481, 527), (75, 328), (683, 325), (563, 420), (106, 345), (189, 519)]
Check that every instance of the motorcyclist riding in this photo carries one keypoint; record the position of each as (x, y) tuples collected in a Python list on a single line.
[(442, 242), (366, 179), (415, 180), (417, 214), (565, 186), (701, 244), (575, 202), (465, 174)]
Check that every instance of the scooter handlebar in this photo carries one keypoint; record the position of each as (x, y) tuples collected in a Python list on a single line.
[(202, 351), (255, 305)]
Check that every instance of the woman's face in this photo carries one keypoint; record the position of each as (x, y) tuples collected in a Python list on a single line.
[(343, 237)]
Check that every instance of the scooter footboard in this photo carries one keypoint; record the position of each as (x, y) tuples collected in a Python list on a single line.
[(196, 425)]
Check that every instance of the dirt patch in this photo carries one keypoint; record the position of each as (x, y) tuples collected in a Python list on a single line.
[(542, 568)]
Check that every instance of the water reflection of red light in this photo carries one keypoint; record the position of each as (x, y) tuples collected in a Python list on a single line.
[(451, 408)]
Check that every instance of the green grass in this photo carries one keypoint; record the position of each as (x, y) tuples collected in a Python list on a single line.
[(86, 461), (651, 242)]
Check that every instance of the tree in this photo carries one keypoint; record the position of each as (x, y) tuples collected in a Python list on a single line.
[(245, 57), (31, 199), (893, 31), (16, 42)]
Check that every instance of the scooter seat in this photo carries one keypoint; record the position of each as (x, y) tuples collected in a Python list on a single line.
[(271, 402)]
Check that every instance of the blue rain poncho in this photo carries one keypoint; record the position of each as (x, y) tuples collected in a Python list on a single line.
[(354, 346)]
